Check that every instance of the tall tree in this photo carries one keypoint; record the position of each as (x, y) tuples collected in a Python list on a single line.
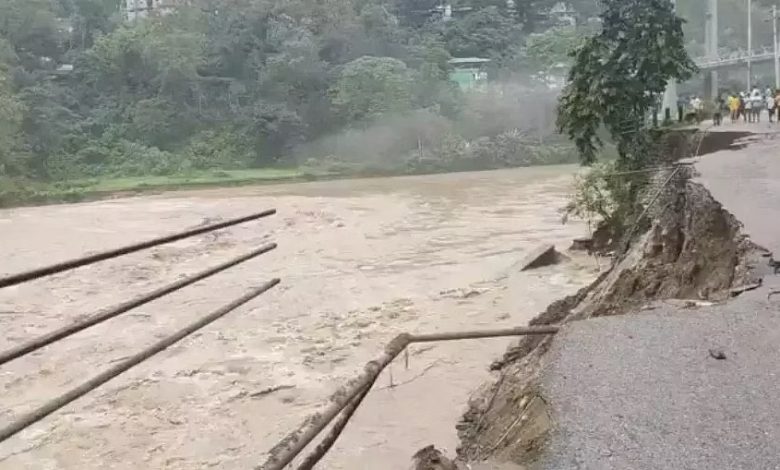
[(484, 33), (370, 87), (549, 52), (85, 92), (11, 112), (619, 73), (88, 19), (532, 13), (32, 28)]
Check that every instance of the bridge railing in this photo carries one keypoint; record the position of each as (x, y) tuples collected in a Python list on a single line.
[(728, 57)]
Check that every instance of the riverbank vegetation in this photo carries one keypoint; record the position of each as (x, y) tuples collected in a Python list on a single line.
[(614, 85), (304, 87), (310, 88)]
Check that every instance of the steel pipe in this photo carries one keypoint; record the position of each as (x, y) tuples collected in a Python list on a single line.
[(56, 335), (539, 330), (327, 443), (104, 255), (50, 407), (292, 445)]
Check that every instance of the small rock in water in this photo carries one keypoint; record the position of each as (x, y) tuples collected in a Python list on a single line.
[(717, 354), (582, 244), (430, 458), (544, 255)]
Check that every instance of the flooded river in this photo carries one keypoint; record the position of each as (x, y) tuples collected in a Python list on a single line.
[(360, 261)]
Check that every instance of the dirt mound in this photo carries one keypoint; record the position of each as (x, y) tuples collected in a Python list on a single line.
[(693, 249)]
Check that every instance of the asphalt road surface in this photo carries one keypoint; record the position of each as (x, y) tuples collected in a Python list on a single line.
[(747, 182), (679, 388), (646, 392)]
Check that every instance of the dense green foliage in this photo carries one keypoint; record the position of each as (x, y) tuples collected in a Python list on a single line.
[(231, 84), (330, 85)]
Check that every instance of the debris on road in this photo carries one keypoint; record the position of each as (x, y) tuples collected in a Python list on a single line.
[(717, 354)]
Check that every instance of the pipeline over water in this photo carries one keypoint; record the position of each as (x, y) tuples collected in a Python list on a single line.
[(348, 398), (58, 334), (50, 407), (53, 405), (104, 255)]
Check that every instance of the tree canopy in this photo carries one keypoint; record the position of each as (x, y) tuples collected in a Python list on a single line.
[(215, 84), (86, 92), (370, 87)]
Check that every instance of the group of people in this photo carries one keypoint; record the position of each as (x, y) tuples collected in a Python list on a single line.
[(749, 106)]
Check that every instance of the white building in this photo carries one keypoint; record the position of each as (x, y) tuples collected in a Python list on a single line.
[(142, 8)]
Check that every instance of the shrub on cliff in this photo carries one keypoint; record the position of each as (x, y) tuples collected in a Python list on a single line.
[(616, 81)]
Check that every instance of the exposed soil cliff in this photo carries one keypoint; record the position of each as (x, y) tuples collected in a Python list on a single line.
[(693, 251)]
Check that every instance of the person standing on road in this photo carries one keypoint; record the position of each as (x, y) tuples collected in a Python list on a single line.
[(770, 105), (733, 107), (680, 108), (748, 108), (697, 106), (777, 104), (758, 104), (720, 108), (742, 109)]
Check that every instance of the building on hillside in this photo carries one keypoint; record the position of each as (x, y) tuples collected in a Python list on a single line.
[(470, 73), (562, 15), (446, 11), (142, 8)]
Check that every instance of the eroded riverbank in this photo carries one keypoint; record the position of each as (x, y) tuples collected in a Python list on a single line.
[(361, 261), (693, 260)]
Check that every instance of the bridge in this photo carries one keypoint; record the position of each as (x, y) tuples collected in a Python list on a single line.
[(717, 59), (710, 65), (729, 58)]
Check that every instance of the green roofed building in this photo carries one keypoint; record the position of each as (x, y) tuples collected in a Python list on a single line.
[(469, 73)]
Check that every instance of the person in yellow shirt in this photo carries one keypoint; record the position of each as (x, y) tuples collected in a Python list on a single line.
[(733, 104)]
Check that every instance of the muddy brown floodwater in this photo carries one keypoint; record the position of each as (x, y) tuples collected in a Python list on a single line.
[(360, 261)]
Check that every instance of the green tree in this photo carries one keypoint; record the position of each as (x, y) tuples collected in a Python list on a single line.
[(11, 112), (370, 87), (485, 33), (552, 51), (234, 83), (619, 74), (152, 58), (88, 19), (32, 28), (533, 13)]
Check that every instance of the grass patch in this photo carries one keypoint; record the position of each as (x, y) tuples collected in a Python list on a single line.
[(216, 177), (16, 192)]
